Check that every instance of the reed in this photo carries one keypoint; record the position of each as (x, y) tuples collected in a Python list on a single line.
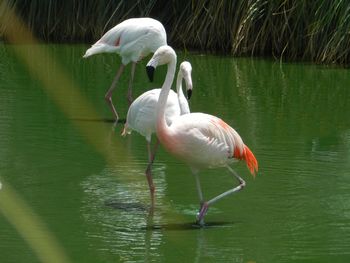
[(315, 31)]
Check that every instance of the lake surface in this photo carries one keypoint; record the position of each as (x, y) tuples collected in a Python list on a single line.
[(89, 190)]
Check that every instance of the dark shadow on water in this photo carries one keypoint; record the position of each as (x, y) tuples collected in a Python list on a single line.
[(126, 206), (106, 120), (181, 226), (188, 226)]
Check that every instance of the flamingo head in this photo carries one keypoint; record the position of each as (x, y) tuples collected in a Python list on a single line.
[(163, 55), (186, 71)]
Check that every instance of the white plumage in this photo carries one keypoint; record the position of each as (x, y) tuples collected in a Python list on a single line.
[(141, 115), (132, 39)]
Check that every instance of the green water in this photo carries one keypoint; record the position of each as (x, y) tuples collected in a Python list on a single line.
[(294, 117)]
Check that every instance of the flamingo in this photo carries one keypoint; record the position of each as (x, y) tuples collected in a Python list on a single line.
[(200, 140), (132, 39), (141, 115)]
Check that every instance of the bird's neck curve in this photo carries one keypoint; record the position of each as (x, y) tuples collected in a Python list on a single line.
[(161, 125), (184, 108)]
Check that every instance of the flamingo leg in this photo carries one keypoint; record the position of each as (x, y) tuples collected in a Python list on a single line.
[(129, 96), (199, 188), (155, 148), (108, 96), (200, 195), (151, 156), (206, 205)]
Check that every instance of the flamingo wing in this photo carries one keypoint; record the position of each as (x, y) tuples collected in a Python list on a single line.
[(141, 115), (139, 40), (204, 140)]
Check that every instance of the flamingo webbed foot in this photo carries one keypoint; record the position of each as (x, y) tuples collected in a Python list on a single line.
[(202, 213)]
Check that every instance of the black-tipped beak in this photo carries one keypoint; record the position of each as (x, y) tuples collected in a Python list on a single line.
[(189, 94), (150, 72)]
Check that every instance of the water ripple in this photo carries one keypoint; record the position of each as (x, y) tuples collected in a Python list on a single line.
[(120, 213)]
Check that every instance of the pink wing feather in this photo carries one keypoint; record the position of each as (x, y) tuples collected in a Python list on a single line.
[(205, 140)]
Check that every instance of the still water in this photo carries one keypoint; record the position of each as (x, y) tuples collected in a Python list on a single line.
[(293, 116)]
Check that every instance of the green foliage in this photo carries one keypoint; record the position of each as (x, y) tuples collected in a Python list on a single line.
[(309, 30)]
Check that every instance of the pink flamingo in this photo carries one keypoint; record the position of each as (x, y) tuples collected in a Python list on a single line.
[(132, 39), (141, 115), (200, 140)]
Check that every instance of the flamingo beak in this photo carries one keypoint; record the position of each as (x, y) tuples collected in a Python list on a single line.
[(150, 72), (188, 81), (189, 94)]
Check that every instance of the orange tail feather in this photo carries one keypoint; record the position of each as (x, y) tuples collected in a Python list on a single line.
[(249, 158)]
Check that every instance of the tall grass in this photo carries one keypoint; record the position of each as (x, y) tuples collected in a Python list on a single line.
[(290, 29), (68, 21)]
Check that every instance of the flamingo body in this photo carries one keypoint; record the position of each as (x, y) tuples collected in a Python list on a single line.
[(132, 39), (200, 140), (205, 141), (141, 115)]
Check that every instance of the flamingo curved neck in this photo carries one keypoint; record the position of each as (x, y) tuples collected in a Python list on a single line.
[(163, 97), (179, 84), (180, 95)]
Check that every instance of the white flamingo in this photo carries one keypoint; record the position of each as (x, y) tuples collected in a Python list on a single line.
[(141, 115), (132, 39), (200, 140)]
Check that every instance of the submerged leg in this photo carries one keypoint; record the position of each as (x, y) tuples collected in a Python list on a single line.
[(149, 174), (206, 205), (129, 96), (155, 148), (108, 96), (151, 156)]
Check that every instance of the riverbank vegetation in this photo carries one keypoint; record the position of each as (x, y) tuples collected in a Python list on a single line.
[(317, 31)]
